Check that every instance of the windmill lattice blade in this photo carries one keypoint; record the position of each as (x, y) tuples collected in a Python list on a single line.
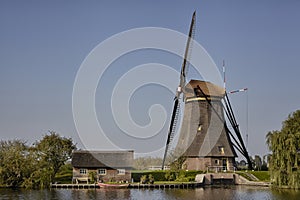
[(187, 52), (174, 118), (172, 128)]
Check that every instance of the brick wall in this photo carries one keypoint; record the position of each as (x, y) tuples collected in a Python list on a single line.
[(110, 176), (203, 163)]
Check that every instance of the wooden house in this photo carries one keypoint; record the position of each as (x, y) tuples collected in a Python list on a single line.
[(103, 166)]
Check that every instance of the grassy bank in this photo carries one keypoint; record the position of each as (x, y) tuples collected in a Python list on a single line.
[(260, 175), (65, 175), (167, 175)]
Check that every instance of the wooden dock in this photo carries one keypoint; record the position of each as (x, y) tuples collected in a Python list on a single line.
[(201, 181), (134, 185), (166, 186), (74, 186)]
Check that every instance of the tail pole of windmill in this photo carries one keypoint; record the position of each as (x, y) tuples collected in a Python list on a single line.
[(247, 108), (224, 75), (239, 144), (175, 112)]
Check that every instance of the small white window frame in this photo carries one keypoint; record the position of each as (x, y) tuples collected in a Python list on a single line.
[(121, 171), (83, 171), (102, 171)]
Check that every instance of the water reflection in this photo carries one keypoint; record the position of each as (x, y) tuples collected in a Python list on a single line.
[(221, 192)]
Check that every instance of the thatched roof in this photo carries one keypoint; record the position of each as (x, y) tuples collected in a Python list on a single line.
[(98, 159), (209, 89)]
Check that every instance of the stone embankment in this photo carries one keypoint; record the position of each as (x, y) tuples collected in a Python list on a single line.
[(227, 178)]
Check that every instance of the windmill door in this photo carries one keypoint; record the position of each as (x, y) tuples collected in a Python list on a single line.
[(224, 164)]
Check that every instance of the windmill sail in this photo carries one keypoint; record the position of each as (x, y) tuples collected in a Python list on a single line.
[(172, 128), (175, 111)]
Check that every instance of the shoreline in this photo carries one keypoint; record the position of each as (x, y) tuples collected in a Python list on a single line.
[(172, 185)]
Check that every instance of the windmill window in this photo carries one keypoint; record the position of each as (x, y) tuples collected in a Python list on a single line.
[(221, 150), (199, 127), (196, 91)]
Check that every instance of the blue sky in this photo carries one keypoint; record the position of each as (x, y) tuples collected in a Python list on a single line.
[(43, 43)]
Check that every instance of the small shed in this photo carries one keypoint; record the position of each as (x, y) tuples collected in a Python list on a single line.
[(103, 166)]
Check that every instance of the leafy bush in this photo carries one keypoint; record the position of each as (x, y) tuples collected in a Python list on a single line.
[(166, 175), (93, 176), (144, 179), (169, 176), (151, 179), (157, 175), (147, 179)]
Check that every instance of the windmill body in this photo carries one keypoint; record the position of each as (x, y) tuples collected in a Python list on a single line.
[(203, 139)]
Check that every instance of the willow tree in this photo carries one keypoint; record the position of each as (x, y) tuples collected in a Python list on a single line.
[(285, 158)]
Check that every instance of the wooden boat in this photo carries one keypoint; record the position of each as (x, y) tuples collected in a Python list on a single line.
[(106, 185)]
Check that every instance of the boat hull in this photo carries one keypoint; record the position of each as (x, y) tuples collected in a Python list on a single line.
[(105, 185)]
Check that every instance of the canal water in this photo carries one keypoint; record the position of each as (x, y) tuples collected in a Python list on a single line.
[(222, 192)]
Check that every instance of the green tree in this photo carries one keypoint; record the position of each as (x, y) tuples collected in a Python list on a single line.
[(14, 165), (175, 160), (258, 162), (53, 151), (285, 147), (35, 166)]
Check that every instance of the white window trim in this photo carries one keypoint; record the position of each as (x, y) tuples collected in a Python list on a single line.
[(217, 162), (83, 170), (102, 173), (121, 171)]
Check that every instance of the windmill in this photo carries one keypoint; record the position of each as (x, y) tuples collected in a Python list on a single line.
[(204, 140)]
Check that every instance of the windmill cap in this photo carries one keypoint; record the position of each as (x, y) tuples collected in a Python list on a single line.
[(208, 88)]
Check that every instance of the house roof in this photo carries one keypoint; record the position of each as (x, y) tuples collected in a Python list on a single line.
[(98, 159), (208, 88)]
